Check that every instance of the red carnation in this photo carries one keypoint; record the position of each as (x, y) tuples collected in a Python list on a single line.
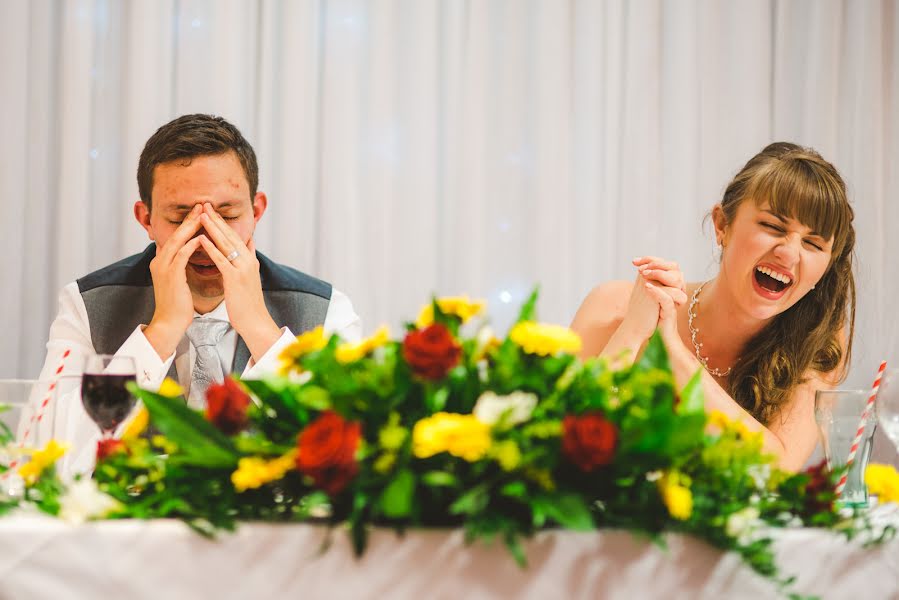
[(432, 351), (226, 406), (589, 440), (108, 447), (327, 451)]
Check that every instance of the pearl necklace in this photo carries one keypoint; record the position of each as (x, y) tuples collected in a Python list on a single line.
[(694, 332)]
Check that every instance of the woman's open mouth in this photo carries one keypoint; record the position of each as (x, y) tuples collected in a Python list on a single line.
[(769, 283)]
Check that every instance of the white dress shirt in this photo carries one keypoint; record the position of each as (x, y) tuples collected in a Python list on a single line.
[(65, 418)]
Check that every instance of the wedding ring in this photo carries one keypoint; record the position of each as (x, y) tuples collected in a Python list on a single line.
[(232, 255)]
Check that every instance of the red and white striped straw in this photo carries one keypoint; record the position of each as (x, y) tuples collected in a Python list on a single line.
[(42, 407), (853, 449)]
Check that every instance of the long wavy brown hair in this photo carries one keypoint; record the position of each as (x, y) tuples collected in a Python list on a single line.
[(798, 183)]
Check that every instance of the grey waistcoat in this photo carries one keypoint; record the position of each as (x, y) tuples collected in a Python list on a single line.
[(119, 297)]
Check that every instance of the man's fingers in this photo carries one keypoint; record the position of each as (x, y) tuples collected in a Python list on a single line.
[(217, 257), (230, 240), (181, 236), (183, 255)]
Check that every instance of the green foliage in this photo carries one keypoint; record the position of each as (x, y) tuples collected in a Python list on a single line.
[(574, 444)]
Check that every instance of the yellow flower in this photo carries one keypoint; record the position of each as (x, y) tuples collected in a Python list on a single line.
[(138, 423), (460, 435), (170, 389), (883, 481), (253, 472), (507, 454), (164, 444), (305, 343), (457, 306), (676, 495), (721, 421), (40, 460), (351, 352), (543, 339)]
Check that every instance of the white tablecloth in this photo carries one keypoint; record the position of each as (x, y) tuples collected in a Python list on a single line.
[(45, 558)]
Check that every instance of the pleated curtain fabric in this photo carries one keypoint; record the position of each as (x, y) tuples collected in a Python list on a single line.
[(444, 146)]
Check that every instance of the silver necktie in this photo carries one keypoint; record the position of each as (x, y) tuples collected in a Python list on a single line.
[(205, 334)]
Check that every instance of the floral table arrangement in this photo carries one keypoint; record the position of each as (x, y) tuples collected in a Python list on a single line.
[(499, 437)]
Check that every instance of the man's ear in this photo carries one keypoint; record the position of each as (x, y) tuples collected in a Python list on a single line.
[(260, 203), (142, 214), (719, 220)]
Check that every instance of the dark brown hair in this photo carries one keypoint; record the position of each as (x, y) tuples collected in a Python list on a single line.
[(190, 136), (798, 183)]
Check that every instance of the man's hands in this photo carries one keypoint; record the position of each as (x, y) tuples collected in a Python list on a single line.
[(240, 279), (174, 302), (243, 287)]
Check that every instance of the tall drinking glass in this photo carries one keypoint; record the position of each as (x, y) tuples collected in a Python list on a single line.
[(838, 415), (887, 405), (103, 393)]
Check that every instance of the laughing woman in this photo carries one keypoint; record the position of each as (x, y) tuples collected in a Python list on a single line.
[(775, 324)]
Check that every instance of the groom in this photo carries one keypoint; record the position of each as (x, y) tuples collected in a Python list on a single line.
[(199, 302)]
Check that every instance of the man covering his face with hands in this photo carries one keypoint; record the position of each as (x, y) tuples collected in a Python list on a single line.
[(199, 302)]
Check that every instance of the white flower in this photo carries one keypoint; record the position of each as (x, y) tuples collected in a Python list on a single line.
[(741, 524), (760, 475), (517, 407), (83, 501)]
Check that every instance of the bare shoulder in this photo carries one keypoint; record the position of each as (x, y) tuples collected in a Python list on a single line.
[(600, 314)]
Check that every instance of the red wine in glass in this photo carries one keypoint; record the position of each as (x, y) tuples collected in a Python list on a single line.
[(104, 394)]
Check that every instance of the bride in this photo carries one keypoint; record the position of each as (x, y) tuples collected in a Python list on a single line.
[(774, 325)]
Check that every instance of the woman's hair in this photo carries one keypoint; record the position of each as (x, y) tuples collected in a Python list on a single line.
[(797, 183)]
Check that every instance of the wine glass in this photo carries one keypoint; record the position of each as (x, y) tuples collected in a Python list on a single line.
[(103, 392), (887, 405)]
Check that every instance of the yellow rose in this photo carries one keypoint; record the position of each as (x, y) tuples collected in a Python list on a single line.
[(170, 389), (351, 352), (545, 340), (463, 436), (883, 481), (305, 343), (40, 460), (457, 306)]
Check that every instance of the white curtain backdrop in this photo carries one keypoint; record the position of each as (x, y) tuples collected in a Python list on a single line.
[(450, 146)]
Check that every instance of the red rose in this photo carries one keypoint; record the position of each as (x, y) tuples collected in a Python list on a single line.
[(108, 447), (820, 491), (327, 451), (432, 351), (226, 406), (589, 440)]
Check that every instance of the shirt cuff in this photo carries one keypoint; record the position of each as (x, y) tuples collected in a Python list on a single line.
[(268, 364), (151, 370)]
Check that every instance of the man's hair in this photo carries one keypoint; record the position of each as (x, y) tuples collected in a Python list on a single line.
[(190, 136)]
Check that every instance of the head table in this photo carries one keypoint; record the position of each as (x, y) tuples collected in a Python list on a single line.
[(46, 558)]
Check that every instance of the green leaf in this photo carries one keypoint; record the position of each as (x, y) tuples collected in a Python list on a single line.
[(199, 442), (528, 310), (514, 489), (569, 510), (655, 356), (691, 397), (439, 479), (396, 501), (471, 502)]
